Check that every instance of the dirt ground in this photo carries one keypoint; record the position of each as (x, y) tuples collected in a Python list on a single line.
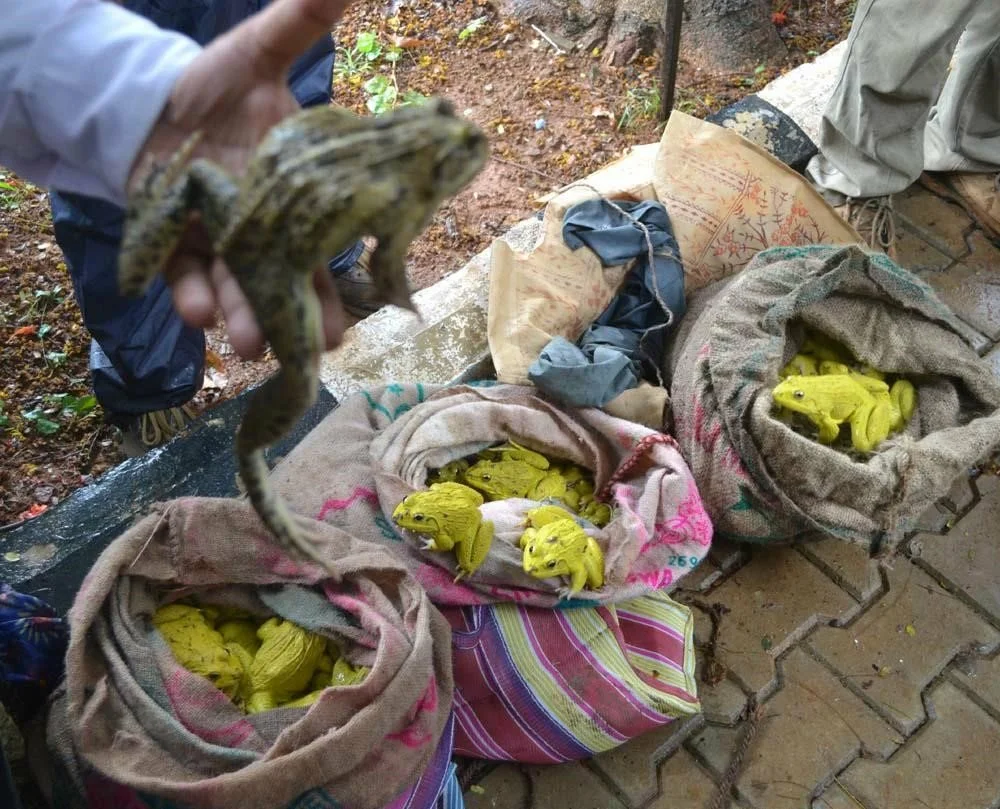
[(552, 117)]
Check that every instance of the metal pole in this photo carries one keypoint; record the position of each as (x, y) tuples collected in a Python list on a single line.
[(673, 10)]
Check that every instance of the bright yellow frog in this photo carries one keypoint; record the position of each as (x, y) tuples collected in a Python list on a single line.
[(871, 408), (500, 480), (447, 514), (556, 545)]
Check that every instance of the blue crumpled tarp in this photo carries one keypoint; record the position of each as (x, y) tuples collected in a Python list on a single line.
[(625, 343)]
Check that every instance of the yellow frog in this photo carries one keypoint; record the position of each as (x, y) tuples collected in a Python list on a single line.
[(447, 514), (800, 365), (449, 473), (867, 404), (500, 480), (515, 452), (556, 545)]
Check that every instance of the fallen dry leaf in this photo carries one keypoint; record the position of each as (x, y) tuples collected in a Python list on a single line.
[(26, 331)]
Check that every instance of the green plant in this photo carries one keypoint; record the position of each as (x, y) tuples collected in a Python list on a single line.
[(472, 28), (10, 195), (72, 406), (39, 420), (360, 59), (382, 94), (640, 102), (4, 418)]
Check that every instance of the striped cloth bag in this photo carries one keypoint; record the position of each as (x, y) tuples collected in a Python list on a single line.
[(543, 686)]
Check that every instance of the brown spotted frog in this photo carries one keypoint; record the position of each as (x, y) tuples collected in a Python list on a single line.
[(448, 516), (319, 180)]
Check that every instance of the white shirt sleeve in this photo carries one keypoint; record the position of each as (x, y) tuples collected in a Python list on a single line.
[(81, 84)]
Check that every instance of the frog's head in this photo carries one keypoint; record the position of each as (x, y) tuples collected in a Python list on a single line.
[(545, 556), (799, 394), (455, 148), (420, 514)]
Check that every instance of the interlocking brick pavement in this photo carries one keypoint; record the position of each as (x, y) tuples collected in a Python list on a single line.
[(879, 683)]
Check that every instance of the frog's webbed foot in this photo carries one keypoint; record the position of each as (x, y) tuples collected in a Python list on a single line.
[(904, 402), (430, 544), (565, 592)]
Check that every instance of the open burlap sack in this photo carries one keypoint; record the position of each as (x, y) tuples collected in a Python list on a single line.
[(379, 446), (764, 482), (133, 728)]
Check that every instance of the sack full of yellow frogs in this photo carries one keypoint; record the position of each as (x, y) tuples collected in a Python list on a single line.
[(258, 663)]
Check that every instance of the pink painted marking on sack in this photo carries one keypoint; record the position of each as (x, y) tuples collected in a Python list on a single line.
[(207, 701), (411, 735), (690, 523), (439, 583), (654, 579), (360, 493)]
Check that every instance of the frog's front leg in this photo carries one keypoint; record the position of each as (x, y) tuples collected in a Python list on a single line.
[(577, 580), (159, 213), (288, 312), (388, 262), (829, 427), (472, 551)]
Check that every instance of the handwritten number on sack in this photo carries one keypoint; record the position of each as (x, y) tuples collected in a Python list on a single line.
[(683, 561)]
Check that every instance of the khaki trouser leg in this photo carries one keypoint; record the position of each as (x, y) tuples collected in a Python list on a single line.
[(872, 132), (963, 131)]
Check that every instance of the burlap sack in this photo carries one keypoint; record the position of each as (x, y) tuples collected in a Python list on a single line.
[(764, 482), (379, 446), (134, 728)]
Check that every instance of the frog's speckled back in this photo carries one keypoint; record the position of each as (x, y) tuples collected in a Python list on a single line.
[(319, 180)]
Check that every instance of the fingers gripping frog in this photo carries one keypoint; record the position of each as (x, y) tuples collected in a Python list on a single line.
[(447, 514), (318, 181)]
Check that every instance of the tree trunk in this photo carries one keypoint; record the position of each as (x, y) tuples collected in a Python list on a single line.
[(718, 35)]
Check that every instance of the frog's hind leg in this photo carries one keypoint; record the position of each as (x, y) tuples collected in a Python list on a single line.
[(158, 215), (294, 331), (904, 401)]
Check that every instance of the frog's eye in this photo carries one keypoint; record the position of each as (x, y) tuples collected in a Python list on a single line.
[(531, 549), (418, 517), (552, 563), (486, 477), (799, 394)]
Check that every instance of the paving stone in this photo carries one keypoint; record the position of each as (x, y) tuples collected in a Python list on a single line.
[(972, 289), (849, 565), (714, 745), (632, 767), (960, 495), (902, 641), (721, 702), (811, 729), (683, 784), (983, 678), (918, 256), (569, 786), (950, 764), (938, 222), (773, 600), (506, 787), (968, 556)]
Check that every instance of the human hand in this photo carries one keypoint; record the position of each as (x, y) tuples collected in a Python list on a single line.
[(234, 91)]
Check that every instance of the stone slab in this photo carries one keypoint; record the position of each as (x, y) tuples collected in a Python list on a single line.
[(570, 786), (950, 764), (505, 787), (849, 565), (967, 558), (683, 784), (901, 643), (810, 730), (971, 287), (941, 224), (632, 767), (981, 677), (773, 601), (802, 93)]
